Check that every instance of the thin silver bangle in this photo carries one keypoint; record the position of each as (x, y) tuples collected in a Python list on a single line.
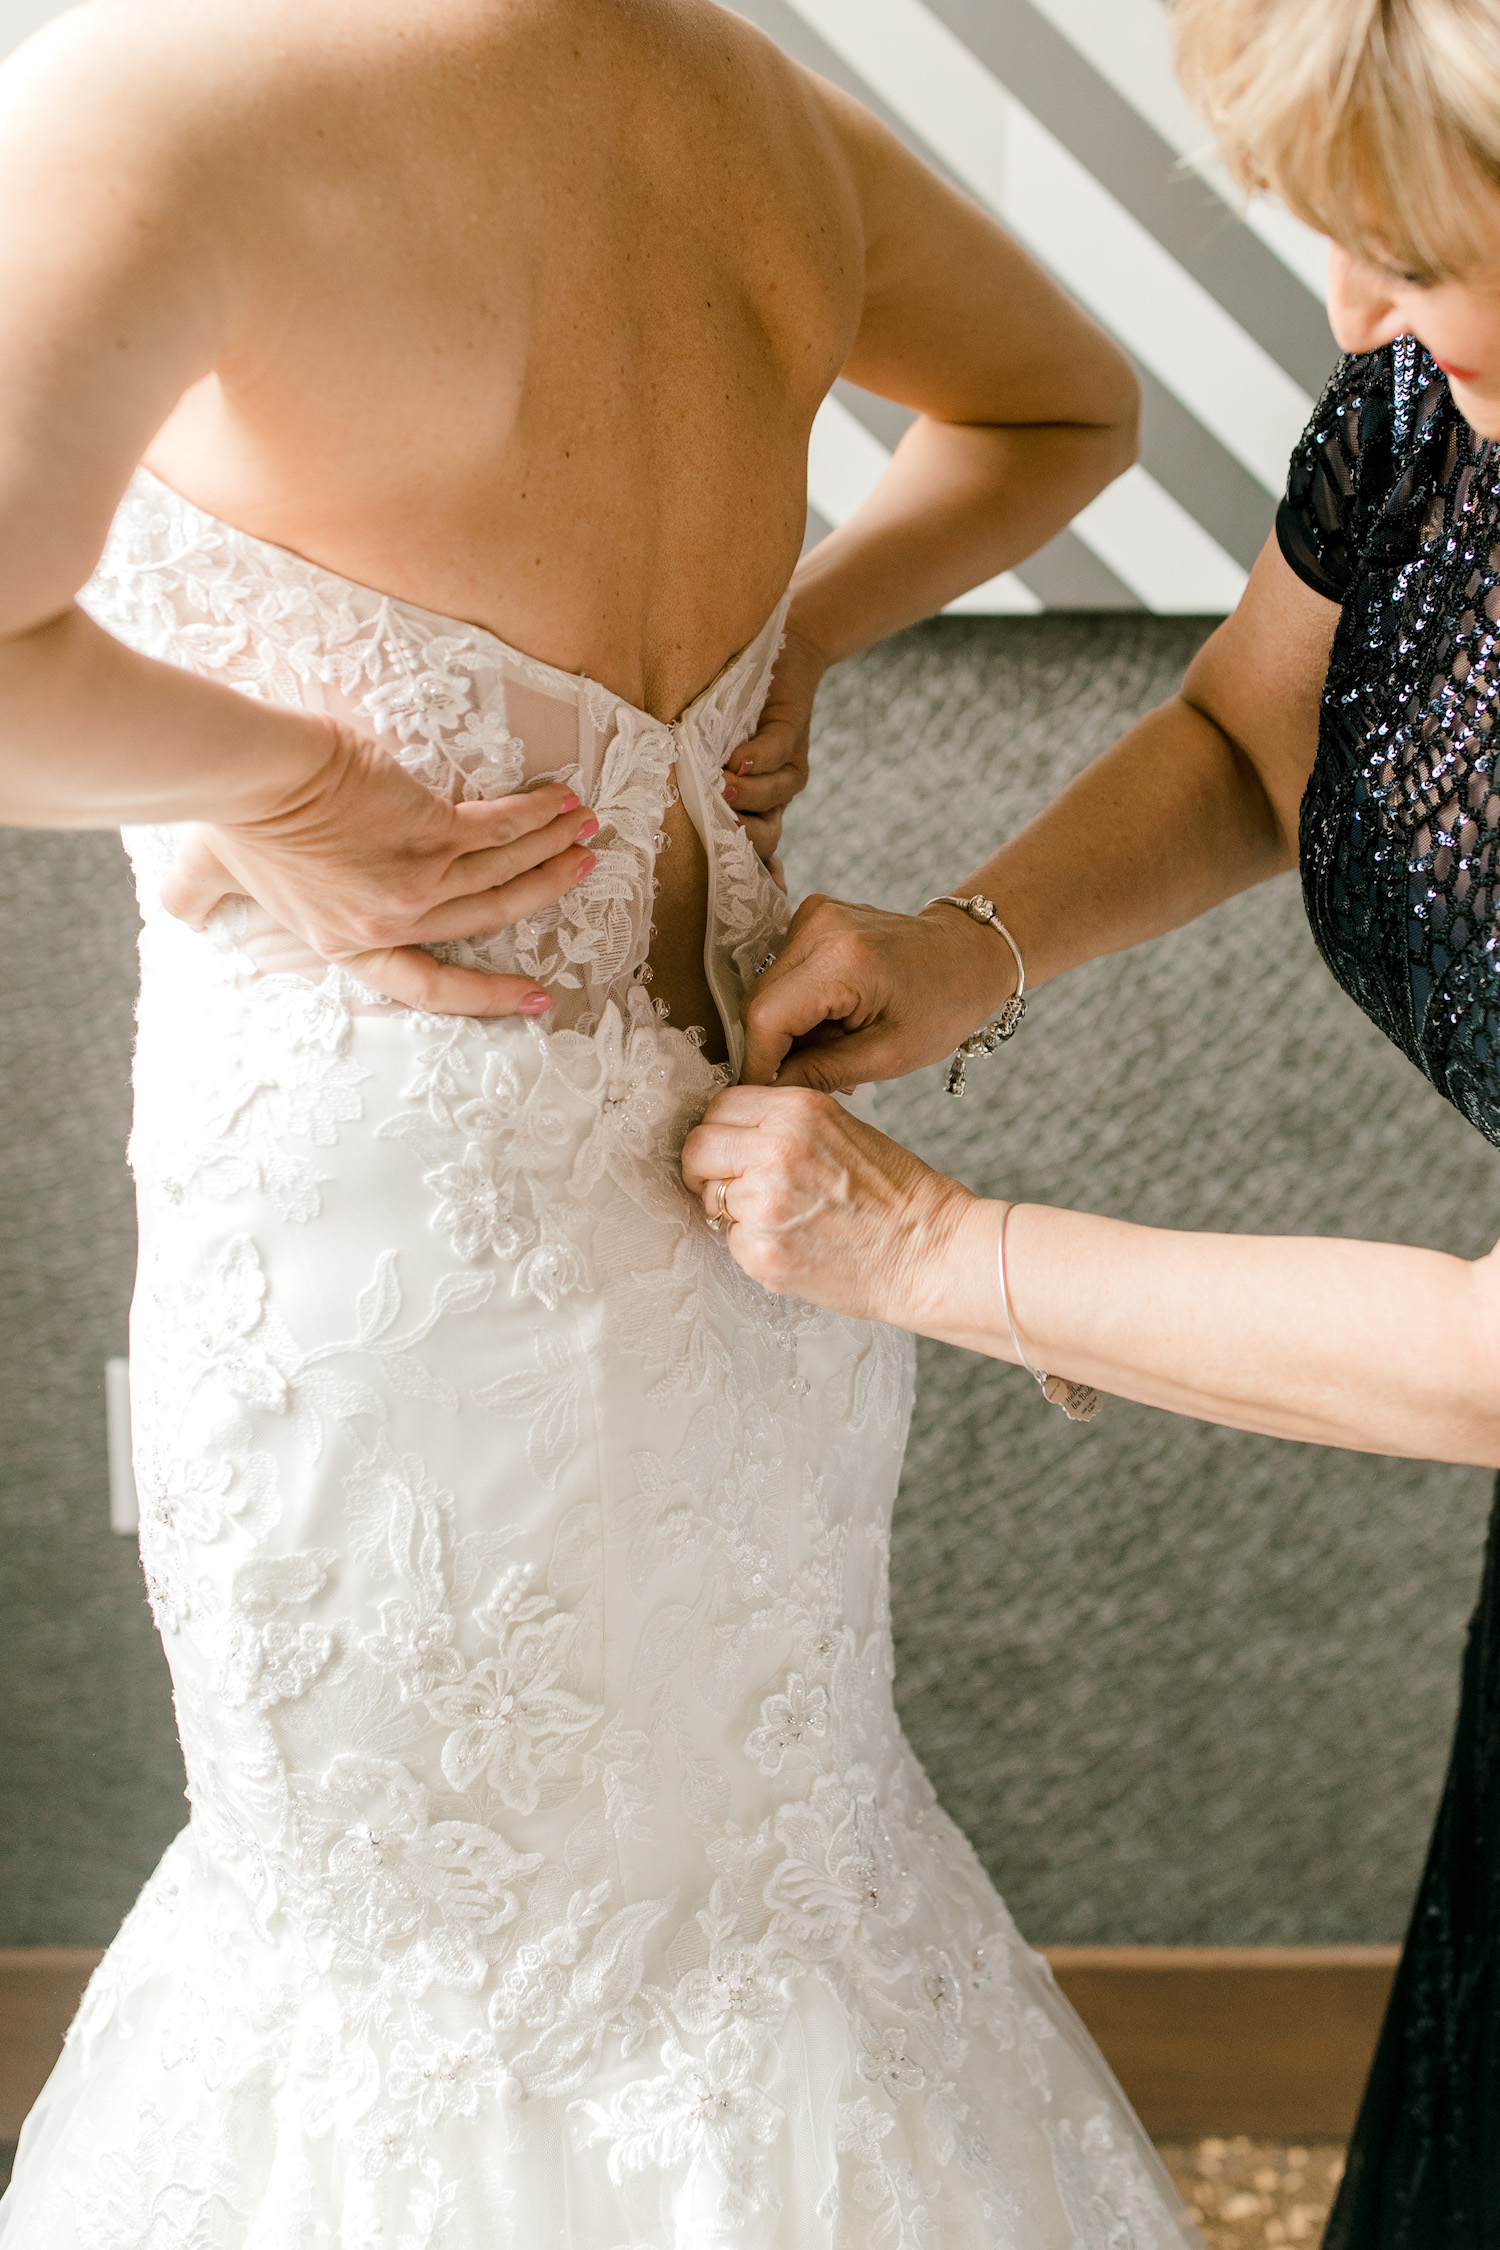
[(993, 1034), (1079, 1401)]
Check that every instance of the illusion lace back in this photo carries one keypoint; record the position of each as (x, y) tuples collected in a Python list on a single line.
[(557, 1874)]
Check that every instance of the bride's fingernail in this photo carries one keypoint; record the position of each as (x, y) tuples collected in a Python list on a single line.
[(535, 1004), (586, 866), (571, 803), (589, 828), (731, 794)]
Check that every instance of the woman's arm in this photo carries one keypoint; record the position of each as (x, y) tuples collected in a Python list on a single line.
[(1358, 1344), (1196, 803), (117, 292), (1025, 412)]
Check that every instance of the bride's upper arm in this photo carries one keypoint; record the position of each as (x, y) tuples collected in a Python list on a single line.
[(109, 292), (959, 321)]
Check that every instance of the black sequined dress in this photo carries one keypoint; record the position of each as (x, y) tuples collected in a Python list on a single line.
[(1393, 510)]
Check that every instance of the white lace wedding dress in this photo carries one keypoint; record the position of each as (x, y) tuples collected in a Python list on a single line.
[(557, 1874)]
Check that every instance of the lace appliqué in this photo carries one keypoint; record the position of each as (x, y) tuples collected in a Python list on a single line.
[(523, 1572)]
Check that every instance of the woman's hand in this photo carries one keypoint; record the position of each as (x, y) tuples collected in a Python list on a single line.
[(827, 1209), (364, 865), (768, 771), (859, 994)]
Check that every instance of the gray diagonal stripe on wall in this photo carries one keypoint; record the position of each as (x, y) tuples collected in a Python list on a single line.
[(1063, 575), (1192, 465), (1186, 459), (882, 417), (1067, 575), (818, 527), (1129, 158)]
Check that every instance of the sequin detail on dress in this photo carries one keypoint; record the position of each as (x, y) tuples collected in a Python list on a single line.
[(1393, 509)]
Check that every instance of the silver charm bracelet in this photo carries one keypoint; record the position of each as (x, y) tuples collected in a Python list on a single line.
[(990, 1035), (1079, 1401)]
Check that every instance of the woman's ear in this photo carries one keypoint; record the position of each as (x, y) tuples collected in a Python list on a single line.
[(1364, 309)]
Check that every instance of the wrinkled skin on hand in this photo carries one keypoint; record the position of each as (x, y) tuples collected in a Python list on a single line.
[(363, 864), (826, 1208), (859, 994)]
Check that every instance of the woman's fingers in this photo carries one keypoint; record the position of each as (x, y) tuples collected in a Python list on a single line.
[(837, 1062), (760, 780), (784, 1166), (197, 882), (475, 871), (372, 861), (484, 867), (721, 1147), (774, 741), (824, 1207), (764, 832), (487, 821), (821, 977), (761, 792), (404, 973), (486, 913), (863, 994)]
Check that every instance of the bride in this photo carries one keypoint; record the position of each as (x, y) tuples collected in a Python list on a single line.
[(556, 1874)]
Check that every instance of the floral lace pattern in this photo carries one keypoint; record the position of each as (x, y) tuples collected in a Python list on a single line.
[(445, 699), (557, 1872)]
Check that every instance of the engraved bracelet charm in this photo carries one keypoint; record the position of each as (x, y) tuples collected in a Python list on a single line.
[(990, 1035)]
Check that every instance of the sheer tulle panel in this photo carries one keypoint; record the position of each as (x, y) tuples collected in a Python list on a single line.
[(556, 734)]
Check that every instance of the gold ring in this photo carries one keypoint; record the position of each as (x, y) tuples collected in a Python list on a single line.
[(719, 1217)]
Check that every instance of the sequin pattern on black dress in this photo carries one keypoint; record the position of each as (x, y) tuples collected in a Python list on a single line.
[(1393, 510), (1393, 507)]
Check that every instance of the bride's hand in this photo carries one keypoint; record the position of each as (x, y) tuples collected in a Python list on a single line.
[(764, 774), (858, 994), (364, 864), (825, 1208)]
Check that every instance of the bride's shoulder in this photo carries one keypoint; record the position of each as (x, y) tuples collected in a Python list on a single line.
[(159, 95)]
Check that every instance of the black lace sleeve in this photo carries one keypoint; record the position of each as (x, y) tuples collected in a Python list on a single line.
[(1340, 475)]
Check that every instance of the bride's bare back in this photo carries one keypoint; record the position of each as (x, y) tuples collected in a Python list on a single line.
[(523, 310), (519, 310), (535, 301)]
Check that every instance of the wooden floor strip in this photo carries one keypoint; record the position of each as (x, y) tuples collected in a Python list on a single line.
[(39, 1993), (1270, 2041)]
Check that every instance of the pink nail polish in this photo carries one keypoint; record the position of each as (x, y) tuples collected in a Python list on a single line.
[(535, 1004), (589, 828), (586, 866), (571, 803), (731, 794)]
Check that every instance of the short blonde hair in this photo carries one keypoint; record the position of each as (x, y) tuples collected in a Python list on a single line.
[(1376, 121)]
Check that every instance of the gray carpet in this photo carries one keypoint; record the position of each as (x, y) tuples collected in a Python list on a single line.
[(90, 1780), (1179, 1684)]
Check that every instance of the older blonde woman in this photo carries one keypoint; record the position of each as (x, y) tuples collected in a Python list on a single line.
[(1343, 719)]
